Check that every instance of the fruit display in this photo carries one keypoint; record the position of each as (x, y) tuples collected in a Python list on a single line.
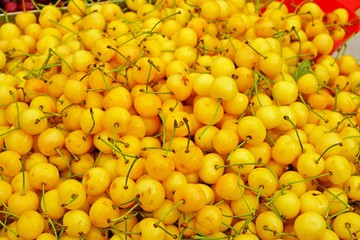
[(179, 119)]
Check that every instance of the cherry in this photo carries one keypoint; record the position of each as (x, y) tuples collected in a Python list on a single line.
[(11, 7), (27, 5)]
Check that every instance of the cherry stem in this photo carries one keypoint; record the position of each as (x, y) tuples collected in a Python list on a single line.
[(338, 213), (225, 36), (198, 235), (6, 16), (182, 232), (336, 100), (7, 228), (275, 176), (348, 229), (280, 34), (341, 51), (151, 31), (116, 231), (298, 37), (287, 118), (9, 213), (93, 123), (291, 235), (136, 198), (38, 120), (161, 116), (239, 164), (206, 50), (128, 173), (23, 177), (62, 60), (311, 109), (73, 198), (51, 222), (149, 148), (153, 65), (152, 92), (103, 74), (267, 80), (97, 158), (248, 43), (76, 158), (63, 110), (156, 225), (336, 198), (169, 211), (8, 210), (95, 67), (266, 228), (247, 187), (125, 215), (189, 217), (116, 125), (176, 104), (66, 28), (327, 149), (256, 90), (272, 141), (148, 76), (186, 121), (62, 229), (36, 5), (115, 148), (213, 118), (63, 158), (171, 137), (349, 137), (242, 143), (78, 7), (258, 195), (274, 208), (122, 55), (307, 179), (44, 65), (11, 130), (189, 4), (220, 166), (335, 129), (118, 141), (17, 108)]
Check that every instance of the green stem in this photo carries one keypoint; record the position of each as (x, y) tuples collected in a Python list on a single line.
[(287, 118), (171, 138), (51, 222), (213, 118), (66, 162)]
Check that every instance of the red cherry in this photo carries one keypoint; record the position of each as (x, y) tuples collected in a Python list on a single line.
[(28, 6), (11, 7), (60, 3), (4, 2)]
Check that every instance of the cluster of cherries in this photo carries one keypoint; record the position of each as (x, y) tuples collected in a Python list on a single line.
[(19, 5), (178, 119)]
